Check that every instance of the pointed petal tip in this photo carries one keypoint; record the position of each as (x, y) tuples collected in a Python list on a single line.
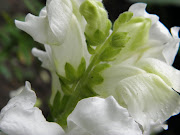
[(175, 31)]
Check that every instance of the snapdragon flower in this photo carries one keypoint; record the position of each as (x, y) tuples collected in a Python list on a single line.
[(105, 81), (19, 117)]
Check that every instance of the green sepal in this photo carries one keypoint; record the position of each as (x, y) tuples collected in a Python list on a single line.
[(95, 78), (101, 67), (55, 108), (65, 88), (90, 49), (123, 18), (81, 67), (119, 39), (89, 92), (64, 80), (65, 85), (109, 53), (70, 72)]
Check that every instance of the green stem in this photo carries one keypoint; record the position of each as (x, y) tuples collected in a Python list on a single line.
[(80, 91)]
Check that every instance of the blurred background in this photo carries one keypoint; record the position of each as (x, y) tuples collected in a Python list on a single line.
[(18, 65)]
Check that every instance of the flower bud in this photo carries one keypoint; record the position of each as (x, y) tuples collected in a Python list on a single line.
[(98, 24)]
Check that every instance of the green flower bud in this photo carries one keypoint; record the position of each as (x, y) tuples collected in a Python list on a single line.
[(119, 39), (137, 29), (98, 24), (123, 18)]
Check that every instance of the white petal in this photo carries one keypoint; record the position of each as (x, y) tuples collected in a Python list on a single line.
[(171, 49), (99, 116), (38, 28), (72, 50), (59, 17), (112, 76), (19, 117), (26, 99), (43, 57), (159, 33), (139, 9), (150, 101), (175, 31), (169, 74)]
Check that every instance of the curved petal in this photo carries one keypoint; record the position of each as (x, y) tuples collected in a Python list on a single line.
[(59, 16), (159, 34), (19, 117), (50, 27), (72, 50), (171, 49), (149, 100), (99, 116), (38, 28), (158, 31), (170, 75), (112, 76), (138, 9), (43, 57)]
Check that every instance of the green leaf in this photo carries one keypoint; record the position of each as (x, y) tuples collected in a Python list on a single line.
[(70, 72), (81, 67), (34, 6), (24, 53), (5, 72)]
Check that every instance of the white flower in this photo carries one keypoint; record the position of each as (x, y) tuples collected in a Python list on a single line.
[(19, 117), (61, 27), (142, 79), (92, 116), (133, 64), (98, 116)]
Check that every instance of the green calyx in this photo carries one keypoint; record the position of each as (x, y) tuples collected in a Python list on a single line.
[(98, 24)]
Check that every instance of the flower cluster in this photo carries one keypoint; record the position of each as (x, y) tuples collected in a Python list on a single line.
[(107, 79)]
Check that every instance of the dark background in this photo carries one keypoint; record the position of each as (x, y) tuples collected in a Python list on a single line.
[(39, 77)]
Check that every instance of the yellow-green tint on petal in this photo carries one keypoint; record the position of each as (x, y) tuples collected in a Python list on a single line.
[(149, 99), (170, 75)]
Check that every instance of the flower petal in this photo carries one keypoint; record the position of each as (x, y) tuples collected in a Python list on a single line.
[(59, 16), (159, 34), (169, 74), (72, 50), (99, 116), (112, 76), (138, 9), (19, 117), (38, 28), (172, 47), (149, 100), (158, 31), (43, 57)]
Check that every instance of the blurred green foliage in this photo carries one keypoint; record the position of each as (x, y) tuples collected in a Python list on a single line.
[(15, 45)]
